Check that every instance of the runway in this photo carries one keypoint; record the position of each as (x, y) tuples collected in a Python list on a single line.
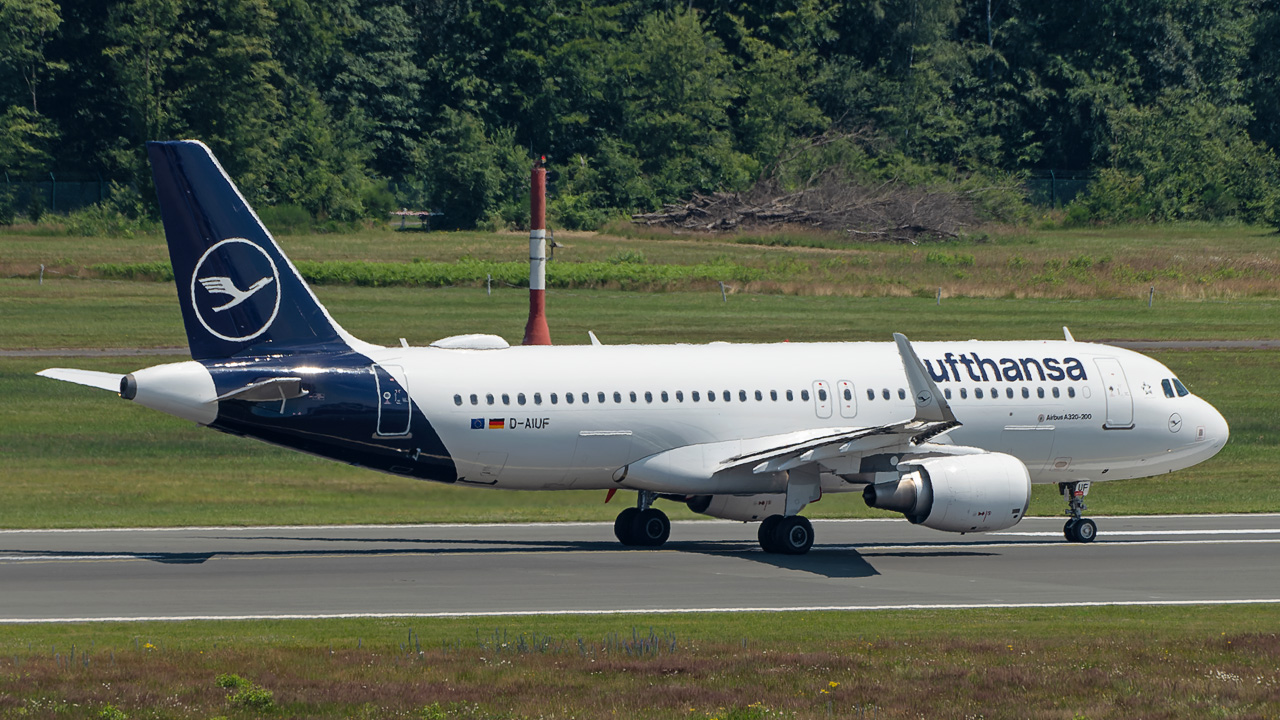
[(444, 570)]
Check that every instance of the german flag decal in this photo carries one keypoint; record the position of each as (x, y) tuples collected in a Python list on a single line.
[(497, 423)]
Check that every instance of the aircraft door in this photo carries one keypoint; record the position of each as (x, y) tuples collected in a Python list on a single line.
[(822, 398), (1119, 400), (847, 398), (395, 409)]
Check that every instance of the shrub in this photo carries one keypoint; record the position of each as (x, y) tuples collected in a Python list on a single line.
[(7, 210), (230, 681), (284, 219), (35, 208), (253, 697)]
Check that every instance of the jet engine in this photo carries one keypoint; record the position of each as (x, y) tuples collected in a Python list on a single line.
[(746, 508), (963, 493)]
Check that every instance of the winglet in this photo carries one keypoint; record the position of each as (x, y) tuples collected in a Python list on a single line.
[(930, 405)]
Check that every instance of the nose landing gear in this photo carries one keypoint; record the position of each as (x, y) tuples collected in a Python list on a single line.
[(1078, 529)]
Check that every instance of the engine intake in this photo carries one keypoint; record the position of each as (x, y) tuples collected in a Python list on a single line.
[(964, 493)]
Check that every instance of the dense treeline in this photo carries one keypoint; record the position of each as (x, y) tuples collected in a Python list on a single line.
[(1173, 106)]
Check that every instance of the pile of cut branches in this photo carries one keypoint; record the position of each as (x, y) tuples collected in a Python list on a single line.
[(830, 201)]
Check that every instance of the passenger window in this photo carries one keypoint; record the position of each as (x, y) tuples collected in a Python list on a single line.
[(804, 395), (520, 398), (474, 400), (457, 399), (964, 393), (871, 394), (506, 399), (586, 398), (848, 394), (995, 393), (947, 393), (822, 394), (679, 396), (488, 397), (790, 396), (759, 396), (1168, 387), (902, 394), (664, 396), (1182, 390), (695, 396), (1008, 392), (617, 396), (727, 396), (568, 397), (1040, 392), (742, 395), (1026, 393), (1071, 392), (600, 397), (555, 400), (1056, 393), (711, 396), (977, 393), (633, 396), (773, 395), (884, 393), (648, 396)]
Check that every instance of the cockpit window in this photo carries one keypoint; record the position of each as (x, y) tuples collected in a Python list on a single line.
[(1168, 387), (1182, 390)]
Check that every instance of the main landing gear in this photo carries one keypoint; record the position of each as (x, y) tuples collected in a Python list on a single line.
[(786, 535), (1078, 529), (642, 525)]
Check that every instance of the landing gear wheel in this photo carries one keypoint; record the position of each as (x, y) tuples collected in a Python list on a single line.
[(650, 528), (793, 535), (765, 533), (624, 526), (1079, 529), (1085, 530)]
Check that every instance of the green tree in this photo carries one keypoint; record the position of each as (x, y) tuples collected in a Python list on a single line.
[(26, 26)]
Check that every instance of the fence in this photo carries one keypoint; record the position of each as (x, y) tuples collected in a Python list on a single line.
[(55, 195), (1055, 188)]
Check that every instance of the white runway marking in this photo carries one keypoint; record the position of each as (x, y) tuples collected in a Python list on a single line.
[(649, 611)]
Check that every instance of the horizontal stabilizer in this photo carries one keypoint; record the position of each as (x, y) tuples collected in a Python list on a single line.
[(92, 378)]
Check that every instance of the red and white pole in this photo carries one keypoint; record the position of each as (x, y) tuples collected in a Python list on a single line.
[(535, 331)]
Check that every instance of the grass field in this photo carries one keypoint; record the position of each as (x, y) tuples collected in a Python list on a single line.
[(1055, 664), (1186, 261), (73, 456)]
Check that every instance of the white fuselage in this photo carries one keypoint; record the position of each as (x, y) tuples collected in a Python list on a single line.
[(507, 421)]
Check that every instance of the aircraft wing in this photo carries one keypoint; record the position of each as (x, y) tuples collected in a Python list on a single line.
[(92, 378), (791, 451)]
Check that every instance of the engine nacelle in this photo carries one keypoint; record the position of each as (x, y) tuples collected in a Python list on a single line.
[(962, 493), (746, 508)]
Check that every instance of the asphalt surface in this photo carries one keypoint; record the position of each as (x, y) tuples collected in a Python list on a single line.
[(428, 570)]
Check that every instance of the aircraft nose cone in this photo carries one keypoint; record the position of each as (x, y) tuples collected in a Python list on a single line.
[(1217, 430)]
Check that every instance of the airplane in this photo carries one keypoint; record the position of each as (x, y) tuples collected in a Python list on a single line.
[(949, 434)]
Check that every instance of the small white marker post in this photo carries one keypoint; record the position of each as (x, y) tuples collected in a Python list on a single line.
[(41, 273), (939, 297), (723, 296)]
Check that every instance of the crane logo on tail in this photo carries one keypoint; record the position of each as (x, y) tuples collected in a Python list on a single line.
[(220, 305)]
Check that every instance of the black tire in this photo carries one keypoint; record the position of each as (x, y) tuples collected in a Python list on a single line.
[(1086, 530), (623, 526), (1069, 530), (793, 535), (651, 528), (765, 533)]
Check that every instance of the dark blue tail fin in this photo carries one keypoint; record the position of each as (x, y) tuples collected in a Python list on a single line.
[(240, 295)]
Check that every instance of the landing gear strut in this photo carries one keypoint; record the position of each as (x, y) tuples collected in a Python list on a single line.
[(1078, 528), (642, 525), (786, 535)]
